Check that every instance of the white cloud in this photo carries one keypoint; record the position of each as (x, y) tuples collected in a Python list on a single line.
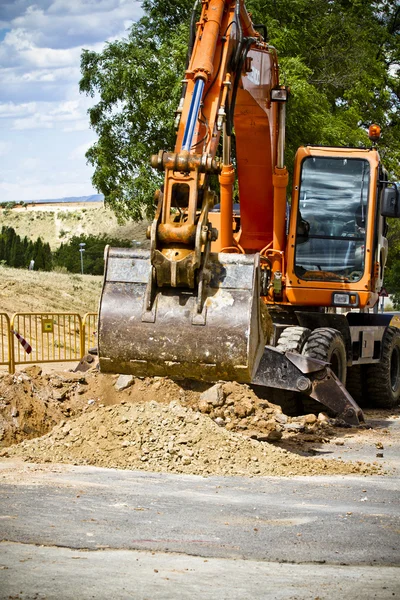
[(43, 118), (47, 115), (4, 148), (80, 151), (36, 189), (11, 110)]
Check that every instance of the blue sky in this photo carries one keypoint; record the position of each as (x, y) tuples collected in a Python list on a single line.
[(44, 131)]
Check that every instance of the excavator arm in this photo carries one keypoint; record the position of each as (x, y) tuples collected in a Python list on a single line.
[(181, 309)]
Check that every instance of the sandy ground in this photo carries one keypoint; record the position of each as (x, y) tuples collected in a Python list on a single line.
[(32, 291)]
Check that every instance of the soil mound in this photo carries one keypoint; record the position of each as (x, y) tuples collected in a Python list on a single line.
[(158, 425), (169, 438)]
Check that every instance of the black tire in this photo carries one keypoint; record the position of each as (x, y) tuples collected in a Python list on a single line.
[(383, 378), (356, 384), (325, 344), (328, 345), (292, 339)]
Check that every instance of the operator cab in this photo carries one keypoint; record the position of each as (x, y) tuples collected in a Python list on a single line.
[(331, 219)]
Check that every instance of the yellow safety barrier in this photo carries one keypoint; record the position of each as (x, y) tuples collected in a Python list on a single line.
[(53, 337), (6, 343), (89, 333), (29, 338)]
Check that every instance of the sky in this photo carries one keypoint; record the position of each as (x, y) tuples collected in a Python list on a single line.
[(44, 126)]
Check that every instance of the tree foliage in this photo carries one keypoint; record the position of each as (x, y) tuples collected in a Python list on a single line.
[(68, 254), (340, 58), (392, 272), (18, 252)]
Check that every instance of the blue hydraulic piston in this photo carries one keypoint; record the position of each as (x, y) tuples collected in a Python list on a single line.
[(193, 114)]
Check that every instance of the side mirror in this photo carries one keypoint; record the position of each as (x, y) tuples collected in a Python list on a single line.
[(390, 202)]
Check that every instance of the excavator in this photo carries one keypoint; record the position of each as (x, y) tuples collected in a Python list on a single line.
[(239, 283)]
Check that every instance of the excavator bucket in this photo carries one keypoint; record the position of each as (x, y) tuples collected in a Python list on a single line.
[(145, 330)]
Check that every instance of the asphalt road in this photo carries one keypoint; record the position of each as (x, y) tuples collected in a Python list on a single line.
[(85, 532)]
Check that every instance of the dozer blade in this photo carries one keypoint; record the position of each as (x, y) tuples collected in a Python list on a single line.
[(168, 336)]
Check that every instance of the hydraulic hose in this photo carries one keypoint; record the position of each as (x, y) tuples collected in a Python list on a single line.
[(230, 109), (193, 114)]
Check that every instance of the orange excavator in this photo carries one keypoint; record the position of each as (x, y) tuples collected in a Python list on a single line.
[(240, 284)]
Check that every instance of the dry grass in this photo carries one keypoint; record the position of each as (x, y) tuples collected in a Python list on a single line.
[(32, 291), (58, 223)]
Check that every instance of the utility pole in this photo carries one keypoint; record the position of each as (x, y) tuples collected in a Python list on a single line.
[(82, 250)]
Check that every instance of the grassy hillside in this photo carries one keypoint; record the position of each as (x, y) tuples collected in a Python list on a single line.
[(58, 224), (34, 291)]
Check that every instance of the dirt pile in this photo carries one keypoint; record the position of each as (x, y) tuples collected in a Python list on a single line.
[(157, 424), (168, 438), (32, 403), (237, 407)]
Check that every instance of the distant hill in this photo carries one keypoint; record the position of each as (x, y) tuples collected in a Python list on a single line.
[(67, 200), (57, 222)]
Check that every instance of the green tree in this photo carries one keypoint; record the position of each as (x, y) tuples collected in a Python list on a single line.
[(392, 271), (68, 254), (339, 58)]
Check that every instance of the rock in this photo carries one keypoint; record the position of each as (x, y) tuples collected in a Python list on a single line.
[(270, 436), (219, 412), (23, 377), (60, 395), (310, 419), (33, 371), (323, 417), (244, 408), (281, 418), (214, 395), (123, 382), (102, 431), (219, 421), (14, 412), (86, 363), (274, 436), (294, 427)]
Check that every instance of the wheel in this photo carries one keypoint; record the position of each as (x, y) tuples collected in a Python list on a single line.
[(355, 384), (292, 339), (383, 378), (327, 344)]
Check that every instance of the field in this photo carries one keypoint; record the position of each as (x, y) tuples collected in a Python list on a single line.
[(58, 223), (32, 291)]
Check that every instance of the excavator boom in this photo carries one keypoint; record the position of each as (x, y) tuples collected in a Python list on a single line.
[(179, 309)]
